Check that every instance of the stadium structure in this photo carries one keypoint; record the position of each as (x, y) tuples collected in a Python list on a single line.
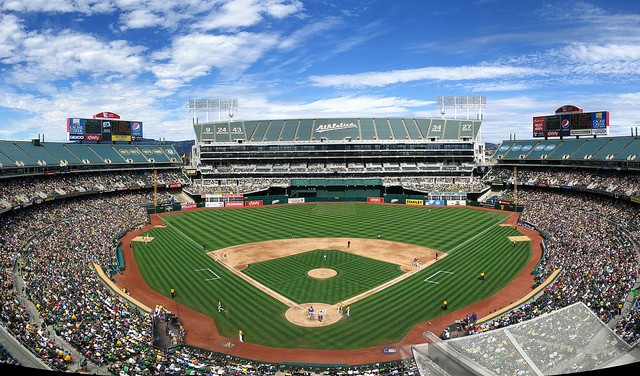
[(343, 157), (442, 160)]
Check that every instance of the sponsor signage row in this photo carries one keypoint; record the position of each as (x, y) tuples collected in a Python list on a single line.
[(234, 204), (414, 202), (253, 203), (375, 200)]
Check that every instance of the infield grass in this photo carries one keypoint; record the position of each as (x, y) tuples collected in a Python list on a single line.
[(473, 239), (356, 274)]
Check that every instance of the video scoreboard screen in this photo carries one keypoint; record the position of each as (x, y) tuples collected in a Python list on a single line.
[(576, 124), (103, 130)]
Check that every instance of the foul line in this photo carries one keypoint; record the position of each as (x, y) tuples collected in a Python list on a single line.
[(210, 271), (181, 233), (434, 274), (478, 235)]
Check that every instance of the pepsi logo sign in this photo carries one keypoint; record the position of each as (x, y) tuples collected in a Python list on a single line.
[(135, 126), (565, 123)]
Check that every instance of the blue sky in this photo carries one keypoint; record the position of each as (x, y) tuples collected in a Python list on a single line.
[(145, 59)]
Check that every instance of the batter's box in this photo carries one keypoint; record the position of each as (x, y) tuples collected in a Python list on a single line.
[(428, 279), (215, 276)]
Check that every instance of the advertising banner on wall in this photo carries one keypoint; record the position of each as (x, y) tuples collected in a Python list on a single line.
[(375, 200), (297, 200), (414, 202), (253, 203), (435, 202), (456, 202), (234, 204)]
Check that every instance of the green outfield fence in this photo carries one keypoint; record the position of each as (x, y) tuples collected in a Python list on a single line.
[(284, 199)]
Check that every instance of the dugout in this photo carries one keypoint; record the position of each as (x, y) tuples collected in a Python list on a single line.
[(347, 188)]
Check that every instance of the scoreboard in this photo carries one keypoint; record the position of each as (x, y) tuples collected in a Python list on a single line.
[(575, 124), (107, 130)]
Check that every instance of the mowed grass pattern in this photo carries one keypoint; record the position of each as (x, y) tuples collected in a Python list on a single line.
[(356, 274), (473, 238)]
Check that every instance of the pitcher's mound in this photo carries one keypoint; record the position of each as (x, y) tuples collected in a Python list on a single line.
[(322, 273)]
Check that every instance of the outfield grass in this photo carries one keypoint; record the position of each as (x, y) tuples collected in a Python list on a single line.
[(473, 238)]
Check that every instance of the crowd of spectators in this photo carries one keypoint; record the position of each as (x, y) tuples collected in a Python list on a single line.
[(239, 185), (340, 167), (421, 184), (56, 266), (7, 358), (52, 247), (613, 181), (35, 189), (439, 184), (588, 237)]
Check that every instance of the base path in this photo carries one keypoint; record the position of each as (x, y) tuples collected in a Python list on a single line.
[(201, 330)]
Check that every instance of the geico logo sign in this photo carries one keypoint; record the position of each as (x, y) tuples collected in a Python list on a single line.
[(334, 126)]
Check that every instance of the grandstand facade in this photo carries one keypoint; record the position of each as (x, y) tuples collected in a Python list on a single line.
[(400, 152)]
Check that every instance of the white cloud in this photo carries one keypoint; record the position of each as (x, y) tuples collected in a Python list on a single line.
[(53, 56), (351, 106), (11, 35), (584, 52), (58, 6), (196, 55), (307, 31), (238, 14), (282, 8), (378, 79), (140, 18)]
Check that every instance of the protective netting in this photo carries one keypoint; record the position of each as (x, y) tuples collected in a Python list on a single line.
[(572, 339)]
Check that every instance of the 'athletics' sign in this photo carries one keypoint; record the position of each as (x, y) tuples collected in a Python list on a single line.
[(334, 126)]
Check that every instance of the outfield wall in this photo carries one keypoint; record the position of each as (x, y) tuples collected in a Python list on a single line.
[(252, 201)]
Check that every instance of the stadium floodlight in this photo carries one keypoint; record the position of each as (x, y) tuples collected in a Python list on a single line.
[(467, 102), (208, 105)]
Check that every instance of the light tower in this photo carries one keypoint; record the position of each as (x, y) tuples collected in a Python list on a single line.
[(467, 102), (208, 105)]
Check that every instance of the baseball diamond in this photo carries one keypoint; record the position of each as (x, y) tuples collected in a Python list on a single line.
[(381, 317)]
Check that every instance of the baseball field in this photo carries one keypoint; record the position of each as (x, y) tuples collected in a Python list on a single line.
[(267, 265)]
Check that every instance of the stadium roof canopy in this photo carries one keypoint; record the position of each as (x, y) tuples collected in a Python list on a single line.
[(21, 154), (572, 339), (602, 149), (338, 129)]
